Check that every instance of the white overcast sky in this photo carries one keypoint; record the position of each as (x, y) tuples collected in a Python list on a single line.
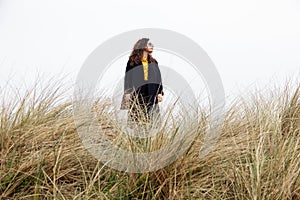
[(251, 42)]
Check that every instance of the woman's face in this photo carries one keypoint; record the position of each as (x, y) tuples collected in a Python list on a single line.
[(149, 47)]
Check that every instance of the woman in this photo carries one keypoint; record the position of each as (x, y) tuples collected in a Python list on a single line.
[(143, 86)]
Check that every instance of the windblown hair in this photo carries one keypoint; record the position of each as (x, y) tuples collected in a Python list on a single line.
[(137, 52)]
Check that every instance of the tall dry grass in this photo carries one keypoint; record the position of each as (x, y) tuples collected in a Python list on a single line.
[(257, 155)]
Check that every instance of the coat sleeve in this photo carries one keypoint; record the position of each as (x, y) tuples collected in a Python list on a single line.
[(128, 86), (160, 87)]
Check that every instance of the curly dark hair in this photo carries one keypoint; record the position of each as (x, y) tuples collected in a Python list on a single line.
[(137, 52)]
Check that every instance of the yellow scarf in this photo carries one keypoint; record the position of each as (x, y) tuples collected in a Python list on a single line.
[(145, 67)]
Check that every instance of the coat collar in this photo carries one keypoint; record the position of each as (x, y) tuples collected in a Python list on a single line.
[(148, 59), (140, 62)]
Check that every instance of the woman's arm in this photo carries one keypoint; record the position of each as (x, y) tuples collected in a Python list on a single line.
[(128, 86), (160, 87)]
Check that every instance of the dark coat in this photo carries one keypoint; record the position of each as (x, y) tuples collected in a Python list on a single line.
[(146, 90)]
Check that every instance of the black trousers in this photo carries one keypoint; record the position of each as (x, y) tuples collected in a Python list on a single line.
[(144, 115)]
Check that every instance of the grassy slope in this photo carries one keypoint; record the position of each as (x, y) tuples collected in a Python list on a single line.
[(257, 156)]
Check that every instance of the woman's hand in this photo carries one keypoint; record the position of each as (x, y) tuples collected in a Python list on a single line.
[(127, 97), (159, 98)]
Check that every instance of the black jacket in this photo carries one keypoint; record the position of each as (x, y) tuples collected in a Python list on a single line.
[(134, 82)]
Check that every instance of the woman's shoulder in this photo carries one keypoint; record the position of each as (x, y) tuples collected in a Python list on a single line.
[(153, 60), (130, 64)]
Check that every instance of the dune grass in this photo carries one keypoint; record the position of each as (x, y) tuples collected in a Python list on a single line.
[(257, 155)]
